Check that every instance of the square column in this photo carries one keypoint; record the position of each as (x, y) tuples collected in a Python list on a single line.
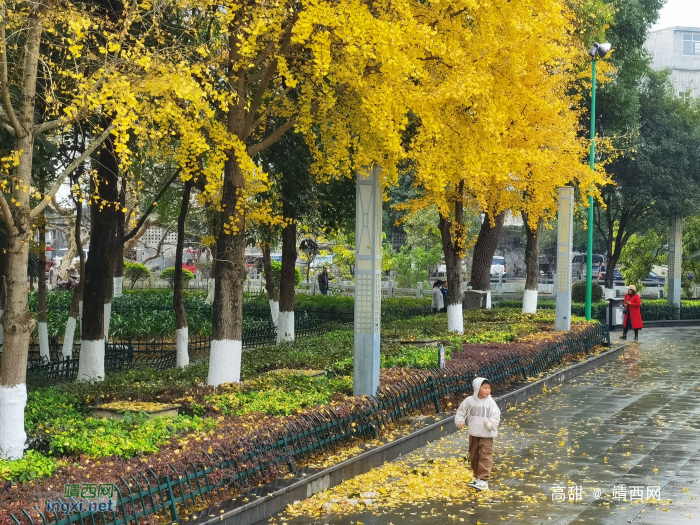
[(368, 281), (565, 235), (675, 262)]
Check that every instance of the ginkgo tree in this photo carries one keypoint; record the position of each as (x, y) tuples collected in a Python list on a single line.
[(100, 66), (511, 128)]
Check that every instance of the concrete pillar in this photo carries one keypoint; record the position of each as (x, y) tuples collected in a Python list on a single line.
[(675, 262), (368, 281), (565, 235)]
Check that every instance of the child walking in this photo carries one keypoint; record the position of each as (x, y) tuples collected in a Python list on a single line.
[(482, 417)]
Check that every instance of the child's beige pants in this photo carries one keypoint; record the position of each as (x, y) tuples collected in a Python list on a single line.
[(481, 456)]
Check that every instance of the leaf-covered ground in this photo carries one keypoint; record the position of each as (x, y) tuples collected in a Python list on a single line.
[(635, 422)]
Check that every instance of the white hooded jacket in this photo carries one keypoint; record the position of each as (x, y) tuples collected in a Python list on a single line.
[(475, 410)]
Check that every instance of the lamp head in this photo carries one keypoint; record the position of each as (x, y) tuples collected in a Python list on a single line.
[(600, 50)]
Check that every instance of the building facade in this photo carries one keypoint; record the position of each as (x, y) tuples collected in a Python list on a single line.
[(677, 49)]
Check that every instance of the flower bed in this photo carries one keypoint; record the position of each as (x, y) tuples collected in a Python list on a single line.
[(235, 420)]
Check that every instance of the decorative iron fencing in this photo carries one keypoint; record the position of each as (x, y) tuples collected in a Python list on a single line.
[(251, 462)]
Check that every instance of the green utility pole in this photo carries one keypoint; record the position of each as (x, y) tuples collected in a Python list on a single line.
[(589, 259)]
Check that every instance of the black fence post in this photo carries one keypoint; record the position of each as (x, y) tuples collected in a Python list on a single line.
[(433, 394), (171, 498)]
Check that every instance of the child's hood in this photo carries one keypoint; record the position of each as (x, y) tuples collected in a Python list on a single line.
[(476, 385)]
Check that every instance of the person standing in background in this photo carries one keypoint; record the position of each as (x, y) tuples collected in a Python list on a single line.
[(323, 281), (633, 312), (438, 301), (444, 296)]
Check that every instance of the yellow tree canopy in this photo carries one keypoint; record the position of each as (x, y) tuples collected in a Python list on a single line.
[(511, 128)]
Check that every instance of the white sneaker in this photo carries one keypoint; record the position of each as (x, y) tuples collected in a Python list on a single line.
[(474, 484), (481, 484)]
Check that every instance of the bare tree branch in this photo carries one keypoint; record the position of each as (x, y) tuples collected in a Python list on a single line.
[(4, 82), (150, 208), (272, 138), (166, 231), (70, 169)]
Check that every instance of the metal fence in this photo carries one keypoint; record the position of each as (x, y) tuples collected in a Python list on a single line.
[(250, 462)]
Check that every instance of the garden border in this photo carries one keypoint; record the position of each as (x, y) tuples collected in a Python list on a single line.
[(242, 511)]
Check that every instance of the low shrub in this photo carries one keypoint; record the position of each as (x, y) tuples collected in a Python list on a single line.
[(578, 292), (279, 393), (135, 272), (169, 275), (32, 466)]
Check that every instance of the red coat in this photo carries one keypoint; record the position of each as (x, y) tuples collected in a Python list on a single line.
[(634, 309)]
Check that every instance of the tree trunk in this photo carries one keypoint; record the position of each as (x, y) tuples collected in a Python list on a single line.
[(211, 281), (270, 284), (285, 324), (4, 259), (452, 240), (182, 356), (43, 328), (484, 249), (227, 322), (77, 298), (119, 254), (109, 284), (17, 320), (100, 264), (532, 265)]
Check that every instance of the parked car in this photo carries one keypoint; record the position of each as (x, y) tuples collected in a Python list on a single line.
[(498, 268), (578, 265), (617, 276), (654, 280)]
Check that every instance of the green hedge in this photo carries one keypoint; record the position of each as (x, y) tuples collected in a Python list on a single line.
[(598, 310)]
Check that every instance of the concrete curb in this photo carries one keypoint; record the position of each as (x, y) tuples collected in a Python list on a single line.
[(266, 501)]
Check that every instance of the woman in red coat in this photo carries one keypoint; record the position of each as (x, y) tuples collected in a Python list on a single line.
[(633, 312)]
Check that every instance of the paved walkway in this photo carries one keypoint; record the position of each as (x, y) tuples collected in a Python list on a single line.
[(635, 422)]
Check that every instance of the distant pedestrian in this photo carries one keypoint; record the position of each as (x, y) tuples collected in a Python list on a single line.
[(633, 313), (444, 296), (438, 300), (482, 417), (323, 281)]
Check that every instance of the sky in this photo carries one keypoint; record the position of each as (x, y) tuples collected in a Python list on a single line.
[(679, 13)]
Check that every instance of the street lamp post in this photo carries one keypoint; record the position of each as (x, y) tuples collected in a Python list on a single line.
[(598, 50)]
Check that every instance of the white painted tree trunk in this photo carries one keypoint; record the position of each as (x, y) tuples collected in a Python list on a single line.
[(488, 300), (13, 400), (285, 327), (210, 290), (118, 286), (608, 293), (530, 302), (91, 362), (455, 318), (108, 318), (80, 310), (69, 338), (274, 311), (225, 362), (44, 342), (182, 357)]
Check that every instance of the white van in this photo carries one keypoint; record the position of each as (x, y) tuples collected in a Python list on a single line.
[(498, 268), (578, 265)]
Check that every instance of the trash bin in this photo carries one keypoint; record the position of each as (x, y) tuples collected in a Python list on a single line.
[(615, 314), (474, 299)]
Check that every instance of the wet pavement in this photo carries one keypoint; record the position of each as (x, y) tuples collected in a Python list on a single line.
[(613, 437)]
